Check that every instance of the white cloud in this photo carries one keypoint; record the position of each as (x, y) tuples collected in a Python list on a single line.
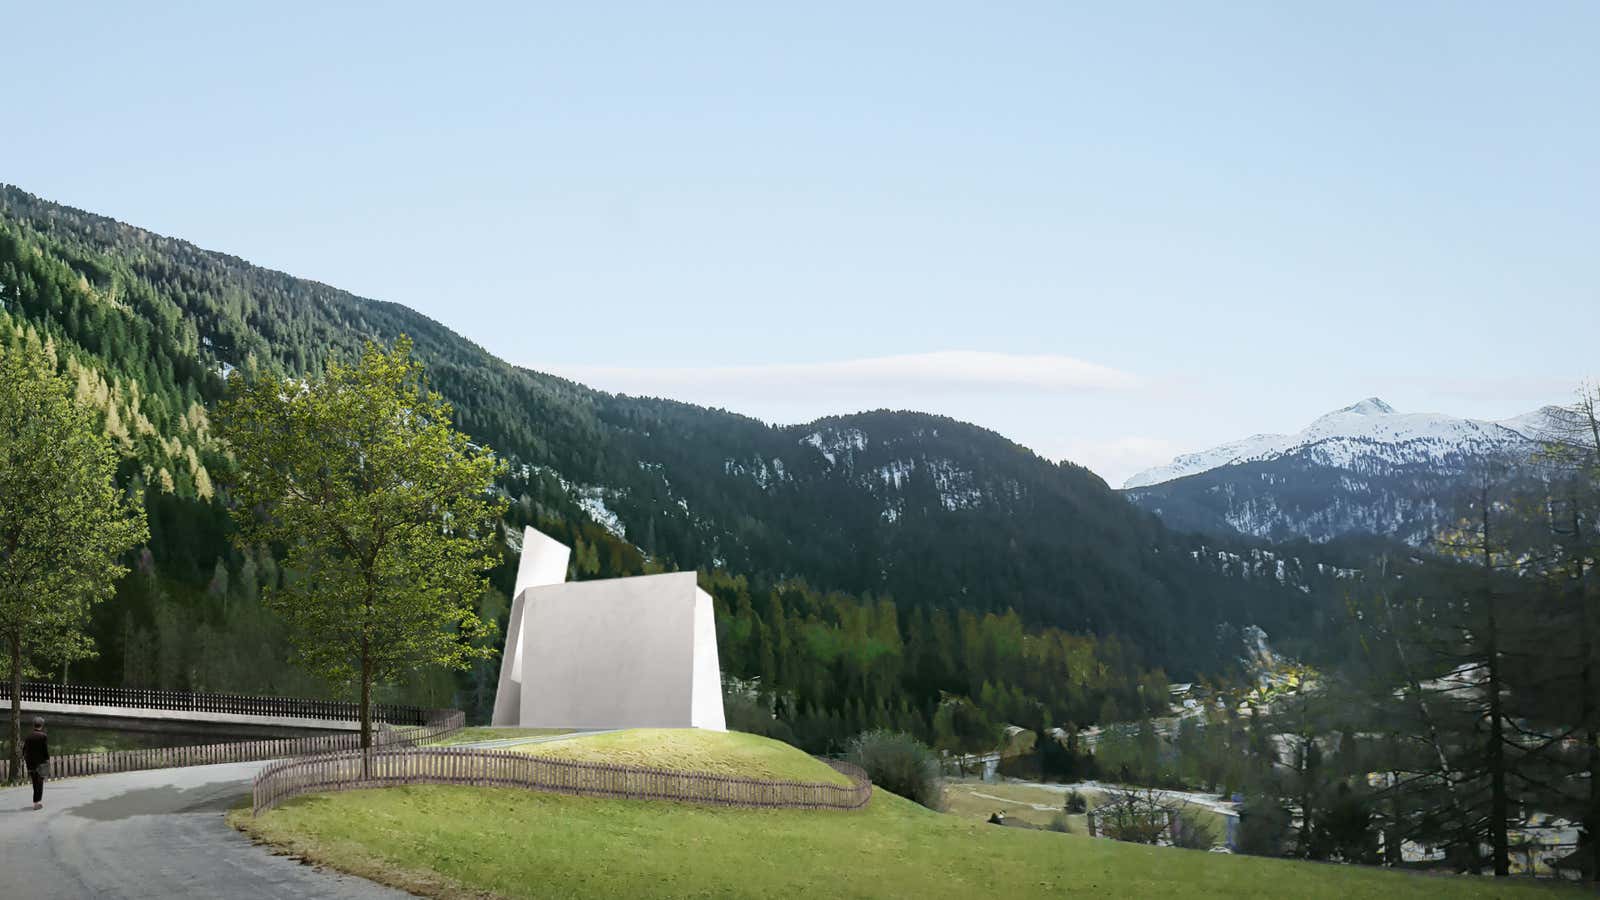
[(1061, 406), (919, 373)]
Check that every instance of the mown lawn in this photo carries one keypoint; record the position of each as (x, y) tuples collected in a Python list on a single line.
[(449, 841), (693, 750), (486, 733)]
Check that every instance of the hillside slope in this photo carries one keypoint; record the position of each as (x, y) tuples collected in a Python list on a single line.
[(937, 513)]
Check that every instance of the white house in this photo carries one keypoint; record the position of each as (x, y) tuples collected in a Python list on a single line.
[(615, 653)]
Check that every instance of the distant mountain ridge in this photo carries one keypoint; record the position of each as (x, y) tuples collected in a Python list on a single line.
[(1365, 468), (1415, 435)]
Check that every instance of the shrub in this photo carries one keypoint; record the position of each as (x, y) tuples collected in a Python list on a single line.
[(1138, 817), (1076, 803), (1060, 822), (899, 763), (1263, 827), (750, 711), (1194, 832)]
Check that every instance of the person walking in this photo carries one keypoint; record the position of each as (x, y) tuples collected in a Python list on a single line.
[(36, 756)]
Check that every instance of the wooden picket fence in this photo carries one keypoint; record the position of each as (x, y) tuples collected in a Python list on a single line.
[(392, 767), (436, 722), (192, 701)]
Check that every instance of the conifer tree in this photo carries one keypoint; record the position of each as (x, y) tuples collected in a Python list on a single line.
[(1571, 448)]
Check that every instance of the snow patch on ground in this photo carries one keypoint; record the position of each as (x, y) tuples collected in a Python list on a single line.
[(834, 444), (764, 472), (896, 473), (593, 502), (956, 486)]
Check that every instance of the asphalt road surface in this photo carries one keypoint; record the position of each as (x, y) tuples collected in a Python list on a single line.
[(156, 834)]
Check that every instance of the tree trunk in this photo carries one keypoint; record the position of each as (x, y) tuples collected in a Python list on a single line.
[(1589, 713), (1591, 824), (1499, 804), (1393, 852), (1303, 840), (15, 765), (366, 705), (1458, 810), (1591, 665)]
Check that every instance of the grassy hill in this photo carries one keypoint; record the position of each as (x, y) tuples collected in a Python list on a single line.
[(448, 842), (488, 733), (453, 842), (693, 750)]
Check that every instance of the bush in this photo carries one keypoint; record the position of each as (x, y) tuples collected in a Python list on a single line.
[(899, 763), (1194, 832), (1076, 803), (1060, 822), (1138, 817), (1263, 827), (748, 710)]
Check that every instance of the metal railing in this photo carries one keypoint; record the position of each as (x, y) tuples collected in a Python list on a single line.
[(438, 722), (503, 768), (189, 701)]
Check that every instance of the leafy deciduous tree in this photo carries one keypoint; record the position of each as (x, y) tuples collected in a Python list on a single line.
[(63, 523), (386, 513)]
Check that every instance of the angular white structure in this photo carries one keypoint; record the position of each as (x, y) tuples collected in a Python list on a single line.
[(617, 653)]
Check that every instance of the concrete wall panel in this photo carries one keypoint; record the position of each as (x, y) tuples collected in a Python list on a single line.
[(706, 693), (617, 653)]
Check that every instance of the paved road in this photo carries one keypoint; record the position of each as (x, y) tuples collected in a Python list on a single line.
[(156, 834)]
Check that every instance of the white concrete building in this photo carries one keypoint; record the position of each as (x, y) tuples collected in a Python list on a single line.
[(617, 653)]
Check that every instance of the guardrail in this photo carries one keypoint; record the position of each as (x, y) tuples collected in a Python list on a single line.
[(503, 768), (189, 701), (440, 721)]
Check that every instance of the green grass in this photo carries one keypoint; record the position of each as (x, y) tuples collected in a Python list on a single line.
[(1022, 802), (450, 841), (484, 733), (693, 750), (975, 800)]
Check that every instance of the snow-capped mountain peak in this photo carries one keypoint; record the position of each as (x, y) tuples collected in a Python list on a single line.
[(1344, 435), (1206, 460), (1535, 425), (1372, 406)]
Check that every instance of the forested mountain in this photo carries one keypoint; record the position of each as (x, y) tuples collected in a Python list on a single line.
[(885, 559), (1364, 469)]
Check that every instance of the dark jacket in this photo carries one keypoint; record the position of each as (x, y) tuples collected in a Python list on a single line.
[(36, 748)]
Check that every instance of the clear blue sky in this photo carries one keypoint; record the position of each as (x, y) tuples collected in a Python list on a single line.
[(1129, 229)]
